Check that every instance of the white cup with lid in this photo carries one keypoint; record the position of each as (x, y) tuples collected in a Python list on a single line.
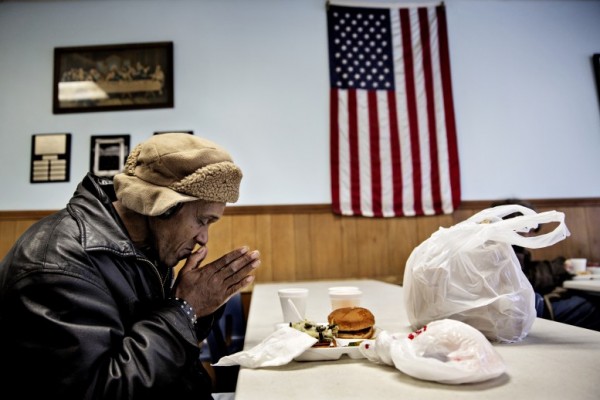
[(344, 296)]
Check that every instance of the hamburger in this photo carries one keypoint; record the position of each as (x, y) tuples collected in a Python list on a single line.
[(353, 322)]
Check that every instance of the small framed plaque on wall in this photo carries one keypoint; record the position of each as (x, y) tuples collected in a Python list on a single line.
[(175, 131), (108, 154), (50, 157)]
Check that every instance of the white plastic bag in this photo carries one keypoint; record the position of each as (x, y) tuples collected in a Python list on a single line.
[(445, 351), (470, 273)]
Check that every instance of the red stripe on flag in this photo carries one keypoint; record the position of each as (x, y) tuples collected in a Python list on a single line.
[(375, 154), (448, 106), (411, 103), (334, 150), (395, 154), (354, 153), (436, 193)]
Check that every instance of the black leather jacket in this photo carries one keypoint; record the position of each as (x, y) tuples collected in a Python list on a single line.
[(85, 315)]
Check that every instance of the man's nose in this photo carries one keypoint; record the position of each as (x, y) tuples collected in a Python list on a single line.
[(202, 235)]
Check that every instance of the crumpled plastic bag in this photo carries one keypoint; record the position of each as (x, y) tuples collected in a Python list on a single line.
[(279, 348), (469, 272), (445, 351)]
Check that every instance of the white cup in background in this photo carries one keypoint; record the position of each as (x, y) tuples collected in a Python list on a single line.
[(576, 265), (344, 296), (594, 270), (298, 296)]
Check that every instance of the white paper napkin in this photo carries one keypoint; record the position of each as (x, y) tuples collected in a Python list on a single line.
[(278, 348)]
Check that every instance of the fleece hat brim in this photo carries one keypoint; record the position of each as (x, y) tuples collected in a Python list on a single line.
[(173, 168)]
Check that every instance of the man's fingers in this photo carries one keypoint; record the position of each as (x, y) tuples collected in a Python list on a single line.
[(194, 259), (240, 265), (242, 277), (236, 287), (230, 257), (207, 287)]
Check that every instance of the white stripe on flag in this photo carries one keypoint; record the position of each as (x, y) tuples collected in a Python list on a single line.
[(364, 153), (385, 151), (344, 153)]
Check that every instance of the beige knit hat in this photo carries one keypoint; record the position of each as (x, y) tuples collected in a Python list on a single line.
[(173, 168)]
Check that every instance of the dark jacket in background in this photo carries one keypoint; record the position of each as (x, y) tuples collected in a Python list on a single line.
[(85, 315), (571, 307), (544, 275)]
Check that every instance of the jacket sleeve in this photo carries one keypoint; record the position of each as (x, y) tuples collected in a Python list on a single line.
[(544, 275), (77, 339)]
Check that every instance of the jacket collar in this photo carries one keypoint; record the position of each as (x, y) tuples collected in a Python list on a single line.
[(99, 224)]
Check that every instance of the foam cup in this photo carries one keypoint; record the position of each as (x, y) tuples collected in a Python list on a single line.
[(344, 296), (576, 265), (297, 310)]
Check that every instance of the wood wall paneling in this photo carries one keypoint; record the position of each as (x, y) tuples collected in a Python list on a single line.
[(302, 240), (283, 252), (307, 242), (592, 233)]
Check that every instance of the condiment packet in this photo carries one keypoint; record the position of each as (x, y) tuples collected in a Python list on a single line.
[(279, 348)]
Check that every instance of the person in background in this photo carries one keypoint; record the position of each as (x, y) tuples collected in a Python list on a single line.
[(89, 306), (547, 276)]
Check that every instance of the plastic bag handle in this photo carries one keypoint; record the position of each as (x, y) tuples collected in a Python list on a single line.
[(497, 213), (508, 230)]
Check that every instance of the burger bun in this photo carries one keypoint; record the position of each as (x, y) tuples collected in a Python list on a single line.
[(353, 322)]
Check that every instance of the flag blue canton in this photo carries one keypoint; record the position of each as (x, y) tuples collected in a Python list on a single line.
[(360, 42)]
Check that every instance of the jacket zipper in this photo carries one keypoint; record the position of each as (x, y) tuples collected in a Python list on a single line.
[(160, 279)]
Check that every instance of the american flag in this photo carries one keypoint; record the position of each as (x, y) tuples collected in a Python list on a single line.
[(393, 135)]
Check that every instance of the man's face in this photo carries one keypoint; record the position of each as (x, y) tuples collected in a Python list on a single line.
[(175, 237)]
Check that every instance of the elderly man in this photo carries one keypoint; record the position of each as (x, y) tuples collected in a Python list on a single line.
[(89, 307)]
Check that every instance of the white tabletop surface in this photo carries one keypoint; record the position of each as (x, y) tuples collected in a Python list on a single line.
[(590, 285), (555, 361)]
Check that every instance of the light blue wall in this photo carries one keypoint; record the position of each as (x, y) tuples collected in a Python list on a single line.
[(252, 75)]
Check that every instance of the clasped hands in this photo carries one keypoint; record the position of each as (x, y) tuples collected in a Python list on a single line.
[(208, 287)]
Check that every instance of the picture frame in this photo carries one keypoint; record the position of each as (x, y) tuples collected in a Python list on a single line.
[(108, 154), (174, 131), (596, 67), (50, 157), (113, 77)]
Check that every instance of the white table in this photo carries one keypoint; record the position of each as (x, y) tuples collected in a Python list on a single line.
[(590, 285), (555, 361)]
